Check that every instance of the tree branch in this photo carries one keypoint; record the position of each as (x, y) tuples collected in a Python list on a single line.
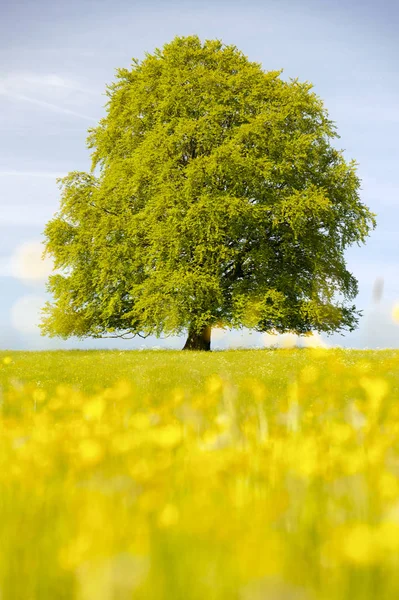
[(103, 209)]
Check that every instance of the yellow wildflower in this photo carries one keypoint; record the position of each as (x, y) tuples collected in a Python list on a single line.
[(168, 436), (169, 516), (90, 452)]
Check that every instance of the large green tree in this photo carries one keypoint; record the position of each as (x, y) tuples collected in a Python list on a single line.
[(215, 198)]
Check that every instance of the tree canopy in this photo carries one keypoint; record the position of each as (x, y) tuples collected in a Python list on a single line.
[(215, 198)]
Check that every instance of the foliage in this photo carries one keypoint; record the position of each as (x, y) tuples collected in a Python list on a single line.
[(218, 200), (268, 481)]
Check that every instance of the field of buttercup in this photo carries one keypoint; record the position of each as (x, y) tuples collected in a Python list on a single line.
[(165, 475)]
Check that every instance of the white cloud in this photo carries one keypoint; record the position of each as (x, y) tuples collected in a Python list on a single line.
[(284, 340), (51, 80), (27, 263), (380, 329), (28, 197), (218, 333), (25, 215), (25, 82), (25, 313), (5, 267), (242, 339), (48, 105), (313, 341), (269, 339), (367, 272), (44, 174), (292, 340), (252, 339), (52, 89)]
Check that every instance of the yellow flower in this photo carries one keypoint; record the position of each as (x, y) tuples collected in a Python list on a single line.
[(94, 409), (177, 396), (359, 545), (168, 436), (39, 396), (214, 384), (395, 312), (309, 374), (72, 555), (169, 516), (305, 458), (376, 389), (141, 471), (122, 442), (388, 536), (7, 360), (388, 486), (257, 389), (223, 421), (90, 452), (140, 421), (121, 390)]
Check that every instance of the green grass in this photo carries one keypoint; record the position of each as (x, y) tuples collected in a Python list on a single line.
[(157, 371), (236, 475)]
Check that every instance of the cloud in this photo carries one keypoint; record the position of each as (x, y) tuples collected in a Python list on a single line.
[(25, 215), (244, 338), (380, 328), (25, 313), (218, 333), (28, 196), (48, 105), (366, 272), (5, 267), (251, 339), (313, 341), (44, 174), (27, 263), (292, 340), (25, 88), (284, 340), (23, 82), (52, 80)]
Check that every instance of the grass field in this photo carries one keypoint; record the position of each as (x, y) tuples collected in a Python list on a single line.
[(236, 475)]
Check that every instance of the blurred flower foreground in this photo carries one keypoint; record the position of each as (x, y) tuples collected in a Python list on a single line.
[(196, 495)]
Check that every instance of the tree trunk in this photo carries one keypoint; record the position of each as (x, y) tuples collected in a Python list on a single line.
[(199, 341)]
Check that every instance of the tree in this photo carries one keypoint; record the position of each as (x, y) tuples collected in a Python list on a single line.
[(218, 200)]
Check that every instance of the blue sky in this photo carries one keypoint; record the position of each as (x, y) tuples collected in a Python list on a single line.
[(56, 59)]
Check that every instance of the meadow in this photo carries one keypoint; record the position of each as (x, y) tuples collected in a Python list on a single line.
[(168, 475)]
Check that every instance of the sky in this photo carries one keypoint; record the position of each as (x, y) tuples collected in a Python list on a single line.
[(55, 61)]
